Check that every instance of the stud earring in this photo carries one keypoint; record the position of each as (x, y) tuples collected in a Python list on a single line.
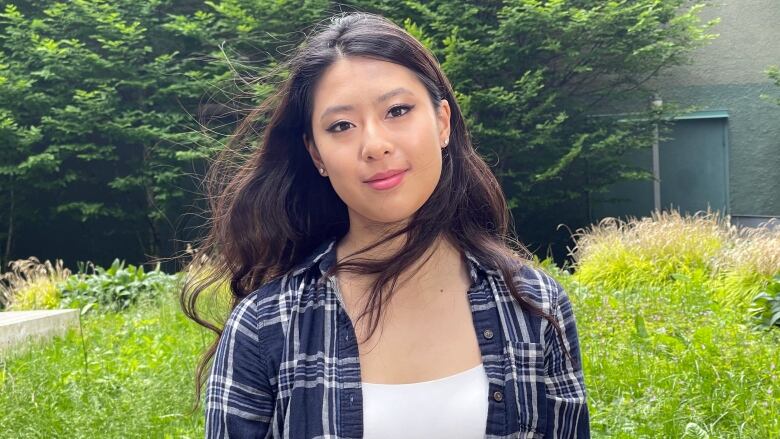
[(322, 171), (446, 142)]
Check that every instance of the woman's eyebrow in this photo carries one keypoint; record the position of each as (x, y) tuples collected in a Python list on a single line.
[(391, 93), (383, 97)]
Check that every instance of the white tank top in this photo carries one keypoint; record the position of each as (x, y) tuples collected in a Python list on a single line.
[(453, 407)]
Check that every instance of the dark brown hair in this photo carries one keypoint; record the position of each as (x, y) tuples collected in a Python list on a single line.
[(274, 209)]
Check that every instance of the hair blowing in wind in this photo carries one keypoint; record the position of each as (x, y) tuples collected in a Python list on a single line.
[(270, 211)]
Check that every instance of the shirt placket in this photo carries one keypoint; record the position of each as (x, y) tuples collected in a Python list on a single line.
[(490, 340), (349, 419)]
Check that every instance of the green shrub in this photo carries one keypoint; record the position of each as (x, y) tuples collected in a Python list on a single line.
[(115, 288), (766, 305)]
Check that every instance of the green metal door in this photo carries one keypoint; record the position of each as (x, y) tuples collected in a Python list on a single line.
[(693, 160), (694, 166)]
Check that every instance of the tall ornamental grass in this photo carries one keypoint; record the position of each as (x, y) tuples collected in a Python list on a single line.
[(669, 350), (31, 284), (747, 265), (735, 264)]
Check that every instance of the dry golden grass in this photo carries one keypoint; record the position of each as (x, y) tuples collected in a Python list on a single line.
[(640, 252), (31, 284), (746, 264), (648, 250)]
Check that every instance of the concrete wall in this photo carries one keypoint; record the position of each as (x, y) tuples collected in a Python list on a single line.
[(729, 74), (20, 327)]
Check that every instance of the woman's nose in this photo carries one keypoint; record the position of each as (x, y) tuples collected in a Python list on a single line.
[(376, 144)]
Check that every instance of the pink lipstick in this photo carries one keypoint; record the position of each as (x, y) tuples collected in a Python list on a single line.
[(388, 182)]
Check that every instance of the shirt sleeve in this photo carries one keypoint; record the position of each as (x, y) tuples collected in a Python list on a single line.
[(567, 409), (239, 398)]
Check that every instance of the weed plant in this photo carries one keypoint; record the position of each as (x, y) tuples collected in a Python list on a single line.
[(766, 306), (115, 288)]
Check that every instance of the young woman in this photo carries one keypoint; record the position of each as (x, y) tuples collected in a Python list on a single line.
[(375, 294)]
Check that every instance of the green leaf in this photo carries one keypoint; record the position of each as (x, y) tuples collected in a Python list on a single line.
[(639, 325)]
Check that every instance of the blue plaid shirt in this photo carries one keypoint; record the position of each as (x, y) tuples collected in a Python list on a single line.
[(287, 364)]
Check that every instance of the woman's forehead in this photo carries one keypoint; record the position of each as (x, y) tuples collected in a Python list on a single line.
[(356, 80)]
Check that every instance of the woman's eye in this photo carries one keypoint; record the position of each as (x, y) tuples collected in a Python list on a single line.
[(400, 110), (344, 125)]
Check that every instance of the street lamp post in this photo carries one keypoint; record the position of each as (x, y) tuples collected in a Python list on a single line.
[(657, 102)]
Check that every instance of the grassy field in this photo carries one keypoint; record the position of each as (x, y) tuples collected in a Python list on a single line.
[(669, 347), (671, 363), (658, 363), (136, 382)]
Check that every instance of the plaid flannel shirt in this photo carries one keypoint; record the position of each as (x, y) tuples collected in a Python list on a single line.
[(287, 364)]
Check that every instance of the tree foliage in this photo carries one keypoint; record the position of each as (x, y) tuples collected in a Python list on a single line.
[(535, 75), (94, 108), (774, 75), (98, 99)]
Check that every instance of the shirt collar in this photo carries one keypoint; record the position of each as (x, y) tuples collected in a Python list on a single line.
[(324, 257)]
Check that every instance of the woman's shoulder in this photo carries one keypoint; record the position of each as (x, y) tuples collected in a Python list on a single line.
[(278, 297), (271, 301), (538, 280), (256, 308), (536, 285)]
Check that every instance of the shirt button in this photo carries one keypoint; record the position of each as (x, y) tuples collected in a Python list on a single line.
[(498, 396), (487, 333)]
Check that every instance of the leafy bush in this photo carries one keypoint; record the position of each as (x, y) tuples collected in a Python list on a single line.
[(766, 305), (115, 288), (32, 284)]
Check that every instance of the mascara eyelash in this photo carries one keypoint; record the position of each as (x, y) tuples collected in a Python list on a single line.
[(406, 106)]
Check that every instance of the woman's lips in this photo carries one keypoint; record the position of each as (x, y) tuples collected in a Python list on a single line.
[(387, 183)]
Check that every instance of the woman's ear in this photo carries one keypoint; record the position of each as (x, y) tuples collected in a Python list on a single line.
[(314, 154), (443, 118)]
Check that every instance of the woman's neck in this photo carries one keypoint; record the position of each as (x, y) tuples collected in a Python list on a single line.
[(437, 258)]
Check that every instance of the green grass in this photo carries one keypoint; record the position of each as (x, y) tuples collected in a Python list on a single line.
[(669, 349), (657, 360), (665, 356), (137, 381)]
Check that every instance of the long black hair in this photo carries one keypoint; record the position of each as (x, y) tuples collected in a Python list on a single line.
[(274, 209)]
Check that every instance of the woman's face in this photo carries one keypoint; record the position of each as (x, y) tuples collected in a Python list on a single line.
[(373, 119)]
